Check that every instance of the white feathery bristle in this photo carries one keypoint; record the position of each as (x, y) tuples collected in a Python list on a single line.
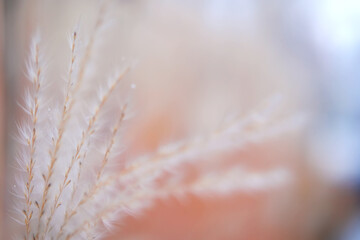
[(68, 183)]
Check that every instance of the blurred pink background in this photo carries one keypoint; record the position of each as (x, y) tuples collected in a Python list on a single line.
[(194, 63)]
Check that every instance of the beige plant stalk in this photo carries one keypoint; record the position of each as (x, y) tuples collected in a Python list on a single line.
[(66, 187)]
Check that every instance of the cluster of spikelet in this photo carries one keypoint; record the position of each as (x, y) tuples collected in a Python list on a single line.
[(66, 187)]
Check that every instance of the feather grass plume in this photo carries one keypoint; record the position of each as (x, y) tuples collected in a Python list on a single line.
[(65, 188)]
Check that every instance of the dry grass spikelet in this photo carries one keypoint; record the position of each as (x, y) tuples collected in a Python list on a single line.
[(66, 188)]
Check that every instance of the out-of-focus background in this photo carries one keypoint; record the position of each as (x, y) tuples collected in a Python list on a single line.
[(194, 63)]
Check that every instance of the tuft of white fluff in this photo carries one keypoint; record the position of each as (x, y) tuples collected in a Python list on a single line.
[(65, 187)]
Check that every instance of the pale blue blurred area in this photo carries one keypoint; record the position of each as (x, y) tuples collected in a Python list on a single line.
[(334, 36), (332, 33)]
